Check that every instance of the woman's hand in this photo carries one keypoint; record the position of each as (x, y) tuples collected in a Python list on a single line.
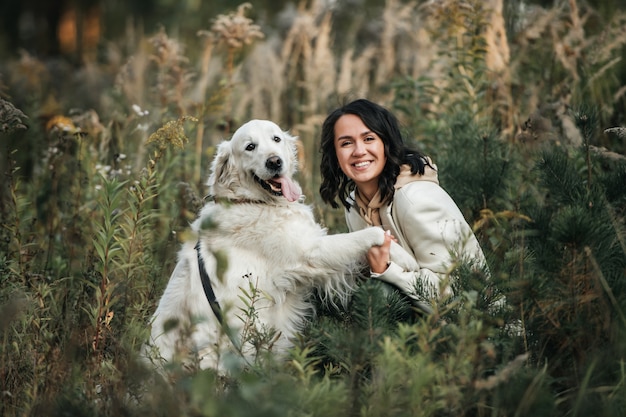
[(378, 257)]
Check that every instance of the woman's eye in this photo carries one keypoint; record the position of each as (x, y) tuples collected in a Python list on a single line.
[(277, 139), (370, 138), (250, 147)]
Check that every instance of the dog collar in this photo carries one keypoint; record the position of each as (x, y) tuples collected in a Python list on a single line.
[(223, 200)]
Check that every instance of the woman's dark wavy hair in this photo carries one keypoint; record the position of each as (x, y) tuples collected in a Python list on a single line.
[(335, 184)]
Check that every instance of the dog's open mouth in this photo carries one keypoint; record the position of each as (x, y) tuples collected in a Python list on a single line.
[(281, 186)]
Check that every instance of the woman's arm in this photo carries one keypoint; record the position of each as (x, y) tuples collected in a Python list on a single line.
[(434, 227), (437, 235)]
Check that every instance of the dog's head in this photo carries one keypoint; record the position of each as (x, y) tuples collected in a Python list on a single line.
[(257, 164)]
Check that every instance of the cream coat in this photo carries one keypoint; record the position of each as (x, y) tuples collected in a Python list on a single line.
[(428, 226)]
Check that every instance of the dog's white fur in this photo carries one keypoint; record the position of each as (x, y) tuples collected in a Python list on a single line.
[(271, 245)]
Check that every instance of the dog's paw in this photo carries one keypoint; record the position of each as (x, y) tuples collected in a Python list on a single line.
[(377, 235)]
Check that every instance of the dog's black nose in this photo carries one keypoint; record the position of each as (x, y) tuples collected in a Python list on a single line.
[(274, 163)]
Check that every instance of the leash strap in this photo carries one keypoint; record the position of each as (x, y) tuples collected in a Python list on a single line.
[(208, 288)]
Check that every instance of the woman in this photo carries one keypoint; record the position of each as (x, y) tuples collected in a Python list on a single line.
[(382, 182)]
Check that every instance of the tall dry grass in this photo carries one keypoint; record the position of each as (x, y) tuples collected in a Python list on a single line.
[(99, 189)]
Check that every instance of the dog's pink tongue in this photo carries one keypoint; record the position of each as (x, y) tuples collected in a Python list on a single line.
[(291, 191)]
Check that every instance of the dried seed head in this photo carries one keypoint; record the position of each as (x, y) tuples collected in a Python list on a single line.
[(10, 117), (234, 30), (168, 52)]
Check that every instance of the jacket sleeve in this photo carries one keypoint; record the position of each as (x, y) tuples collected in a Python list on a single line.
[(407, 281), (436, 234)]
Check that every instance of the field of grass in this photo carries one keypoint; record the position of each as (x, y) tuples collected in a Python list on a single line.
[(103, 167)]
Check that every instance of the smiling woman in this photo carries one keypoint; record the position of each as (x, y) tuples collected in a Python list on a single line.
[(383, 183), (360, 153)]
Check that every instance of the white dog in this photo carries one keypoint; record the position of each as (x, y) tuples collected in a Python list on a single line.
[(260, 253)]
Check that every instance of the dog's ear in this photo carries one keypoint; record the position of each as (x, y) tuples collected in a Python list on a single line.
[(222, 168)]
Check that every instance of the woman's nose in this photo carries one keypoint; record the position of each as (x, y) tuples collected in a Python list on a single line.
[(359, 148)]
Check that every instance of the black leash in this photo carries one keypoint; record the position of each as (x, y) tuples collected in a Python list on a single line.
[(208, 288), (215, 306)]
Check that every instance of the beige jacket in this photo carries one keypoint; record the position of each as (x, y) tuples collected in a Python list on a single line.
[(430, 227)]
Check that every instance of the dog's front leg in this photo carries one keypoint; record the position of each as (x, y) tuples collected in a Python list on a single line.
[(343, 250)]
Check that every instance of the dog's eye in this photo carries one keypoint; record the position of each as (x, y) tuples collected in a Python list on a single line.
[(250, 147), (277, 139)]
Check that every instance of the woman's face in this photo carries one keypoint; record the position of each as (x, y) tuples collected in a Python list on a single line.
[(360, 152)]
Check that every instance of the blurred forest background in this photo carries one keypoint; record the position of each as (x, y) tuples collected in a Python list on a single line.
[(109, 115)]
